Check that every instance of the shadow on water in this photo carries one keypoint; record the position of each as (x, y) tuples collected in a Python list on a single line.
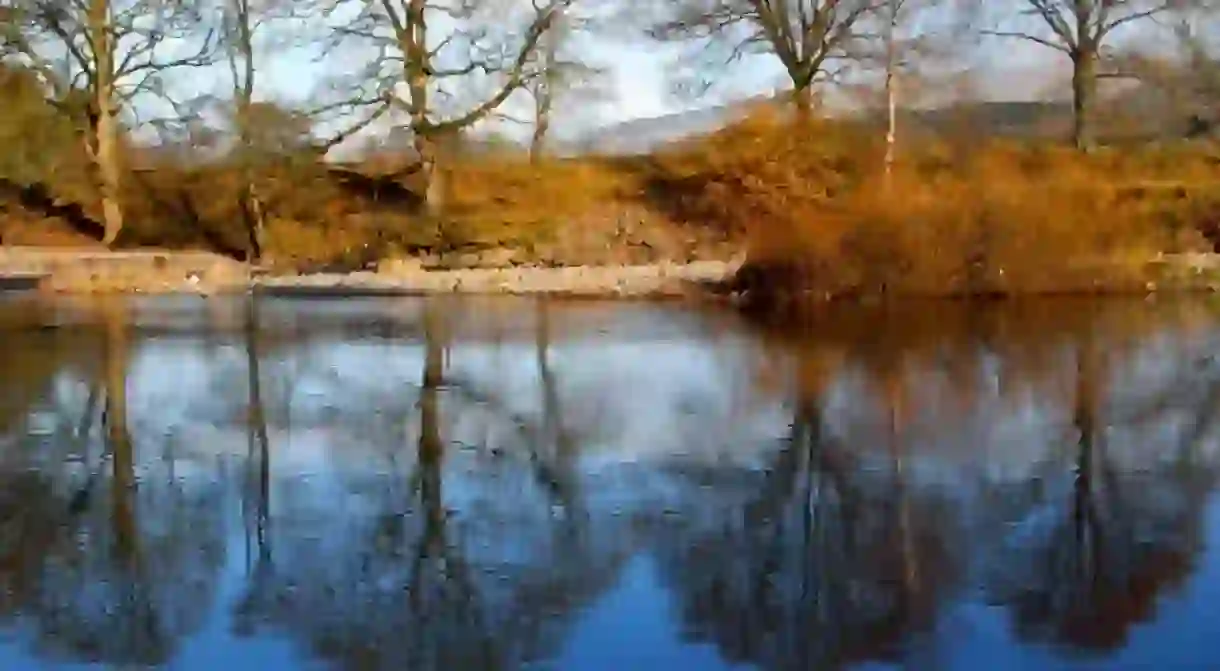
[(518, 483)]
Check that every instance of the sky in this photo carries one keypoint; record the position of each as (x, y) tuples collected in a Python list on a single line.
[(640, 82), (639, 76)]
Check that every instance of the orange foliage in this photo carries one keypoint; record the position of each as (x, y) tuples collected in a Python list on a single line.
[(807, 200), (1008, 217)]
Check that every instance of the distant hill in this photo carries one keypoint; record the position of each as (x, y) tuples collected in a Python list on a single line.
[(1003, 119), (1023, 119), (639, 136)]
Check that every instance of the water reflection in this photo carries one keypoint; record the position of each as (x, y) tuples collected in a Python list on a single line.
[(85, 568), (505, 484), (1111, 542)]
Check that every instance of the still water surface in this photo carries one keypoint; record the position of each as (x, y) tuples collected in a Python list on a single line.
[(505, 483)]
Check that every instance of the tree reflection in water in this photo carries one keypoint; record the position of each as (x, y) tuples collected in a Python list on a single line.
[(398, 589), (902, 488), (258, 459), (1113, 543), (836, 558), (110, 567), (819, 567)]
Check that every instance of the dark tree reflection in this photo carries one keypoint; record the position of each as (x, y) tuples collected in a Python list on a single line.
[(1113, 542), (410, 497), (845, 548), (406, 580), (32, 360), (115, 566), (256, 499), (816, 568)]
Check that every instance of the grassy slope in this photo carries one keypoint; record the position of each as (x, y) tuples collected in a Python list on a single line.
[(996, 196)]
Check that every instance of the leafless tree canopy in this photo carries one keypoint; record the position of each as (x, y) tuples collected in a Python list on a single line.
[(57, 38), (96, 57), (426, 60), (812, 39), (1072, 26), (422, 57), (1081, 30), (562, 71)]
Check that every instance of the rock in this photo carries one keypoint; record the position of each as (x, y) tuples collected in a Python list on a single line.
[(545, 255), (406, 266), (468, 261), (459, 261), (500, 257)]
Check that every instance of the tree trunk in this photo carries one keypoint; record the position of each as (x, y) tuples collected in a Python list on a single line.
[(891, 91), (105, 154), (414, 45), (243, 85), (1084, 90), (431, 179), (802, 98), (256, 227), (109, 173), (891, 131), (251, 203), (544, 93), (542, 125)]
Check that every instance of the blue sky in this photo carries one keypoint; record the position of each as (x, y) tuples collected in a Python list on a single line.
[(639, 74), (641, 82)]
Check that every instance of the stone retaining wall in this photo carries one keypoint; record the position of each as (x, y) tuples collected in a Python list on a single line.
[(94, 271), (660, 279), (87, 270)]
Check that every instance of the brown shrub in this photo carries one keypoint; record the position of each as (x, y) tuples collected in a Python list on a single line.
[(322, 215), (762, 169), (505, 201), (807, 200), (315, 216), (1009, 217)]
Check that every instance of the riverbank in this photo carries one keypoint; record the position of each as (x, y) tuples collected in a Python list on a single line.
[(648, 280), (777, 288), (817, 221), (81, 271), (65, 271)]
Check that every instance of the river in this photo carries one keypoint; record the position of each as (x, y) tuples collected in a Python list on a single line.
[(511, 483)]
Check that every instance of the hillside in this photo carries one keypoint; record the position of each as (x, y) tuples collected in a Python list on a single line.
[(641, 136), (1133, 111)]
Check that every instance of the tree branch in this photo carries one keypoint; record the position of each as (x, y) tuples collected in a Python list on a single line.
[(1029, 38)]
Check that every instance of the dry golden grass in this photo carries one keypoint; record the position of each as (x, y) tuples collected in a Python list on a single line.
[(1006, 218), (809, 203)]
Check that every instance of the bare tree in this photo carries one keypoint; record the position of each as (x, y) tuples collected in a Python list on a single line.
[(812, 39), (1179, 89), (1196, 84), (893, 19), (907, 38), (544, 90), (1081, 30), (96, 57), (239, 24), (242, 19), (562, 73), (410, 69)]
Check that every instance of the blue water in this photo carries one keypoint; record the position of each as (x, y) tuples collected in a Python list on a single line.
[(503, 483)]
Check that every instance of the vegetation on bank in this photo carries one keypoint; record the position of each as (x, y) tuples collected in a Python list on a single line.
[(809, 201), (986, 217)]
